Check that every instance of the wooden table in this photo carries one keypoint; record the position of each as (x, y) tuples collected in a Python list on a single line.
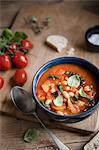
[(11, 129)]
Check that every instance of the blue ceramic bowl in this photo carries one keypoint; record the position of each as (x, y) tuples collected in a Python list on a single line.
[(65, 60)]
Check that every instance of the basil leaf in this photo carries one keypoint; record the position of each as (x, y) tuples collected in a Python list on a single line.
[(74, 81), (33, 19), (60, 88), (3, 42), (75, 98), (58, 101), (82, 93), (8, 34), (69, 73), (53, 77), (19, 36), (31, 134), (48, 102), (71, 100)]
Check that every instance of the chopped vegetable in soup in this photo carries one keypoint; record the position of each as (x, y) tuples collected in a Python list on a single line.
[(67, 89)]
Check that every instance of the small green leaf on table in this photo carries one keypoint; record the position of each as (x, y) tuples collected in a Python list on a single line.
[(30, 135)]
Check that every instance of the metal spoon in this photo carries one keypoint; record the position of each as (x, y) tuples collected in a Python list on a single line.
[(26, 104)]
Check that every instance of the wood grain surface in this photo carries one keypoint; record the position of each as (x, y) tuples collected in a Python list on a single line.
[(69, 19), (12, 131)]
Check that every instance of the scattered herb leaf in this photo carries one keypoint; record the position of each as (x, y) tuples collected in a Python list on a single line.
[(47, 103), (54, 94), (33, 19), (82, 93), (19, 36), (69, 73), (75, 98), (58, 101), (36, 26), (71, 100), (53, 77), (74, 81), (60, 88), (31, 134), (7, 37), (8, 34)]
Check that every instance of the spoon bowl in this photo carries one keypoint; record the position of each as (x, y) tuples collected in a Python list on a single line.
[(23, 100)]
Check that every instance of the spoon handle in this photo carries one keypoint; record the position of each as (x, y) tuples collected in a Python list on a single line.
[(60, 145)]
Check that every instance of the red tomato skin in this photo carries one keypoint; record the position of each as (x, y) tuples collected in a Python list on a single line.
[(1, 82), (14, 46), (20, 60), (5, 62), (27, 44), (20, 77)]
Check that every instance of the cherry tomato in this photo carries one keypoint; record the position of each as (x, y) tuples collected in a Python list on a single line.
[(12, 48), (20, 77), (27, 44), (20, 60), (1, 82), (5, 62)]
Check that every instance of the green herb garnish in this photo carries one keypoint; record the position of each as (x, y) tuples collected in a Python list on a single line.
[(74, 81), (31, 134), (69, 73), (7, 37), (71, 100), (33, 19), (53, 77), (58, 101), (75, 98), (19, 36), (82, 93), (60, 88), (8, 34), (36, 26)]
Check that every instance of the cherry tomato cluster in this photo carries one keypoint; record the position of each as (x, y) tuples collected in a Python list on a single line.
[(15, 55)]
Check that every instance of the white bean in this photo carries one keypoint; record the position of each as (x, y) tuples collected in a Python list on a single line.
[(66, 78), (47, 102), (52, 90), (87, 88), (52, 84), (64, 82), (71, 94), (67, 88), (65, 113), (65, 94), (60, 113)]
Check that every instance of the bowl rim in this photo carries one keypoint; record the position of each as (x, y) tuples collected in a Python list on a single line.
[(87, 32), (51, 112)]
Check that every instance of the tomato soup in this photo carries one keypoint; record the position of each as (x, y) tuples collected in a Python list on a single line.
[(67, 89)]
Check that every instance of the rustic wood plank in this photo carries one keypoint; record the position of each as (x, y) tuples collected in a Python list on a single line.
[(69, 19), (8, 13), (12, 131)]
